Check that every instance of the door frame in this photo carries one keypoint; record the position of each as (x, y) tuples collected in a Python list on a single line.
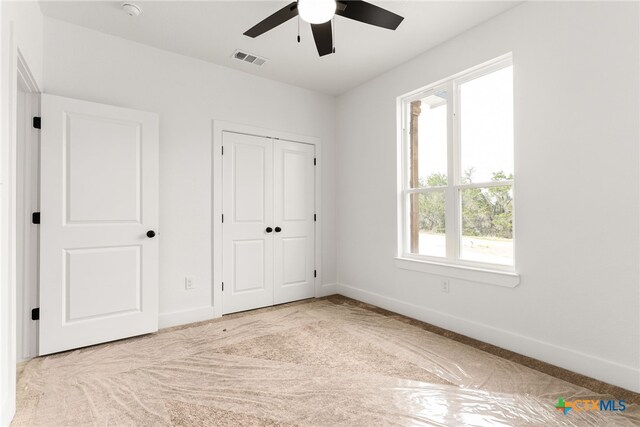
[(18, 74), (219, 127), (27, 181)]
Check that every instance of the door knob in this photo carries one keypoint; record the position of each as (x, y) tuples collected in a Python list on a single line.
[(151, 234), (278, 229), (269, 230)]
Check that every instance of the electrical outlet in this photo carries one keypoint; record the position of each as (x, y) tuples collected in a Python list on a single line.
[(444, 286), (189, 283)]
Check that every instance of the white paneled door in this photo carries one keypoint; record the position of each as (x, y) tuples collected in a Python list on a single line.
[(247, 247), (268, 225), (99, 219), (294, 201)]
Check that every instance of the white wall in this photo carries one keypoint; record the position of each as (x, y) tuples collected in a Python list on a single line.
[(20, 28), (576, 75), (188, 94)]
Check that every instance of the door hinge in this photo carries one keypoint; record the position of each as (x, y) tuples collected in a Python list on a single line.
[(37, 123), (35, 218), (222, 286), (222, 217), (222, 150), (314, 161), (315, 273), (315, 218), (35, 314)]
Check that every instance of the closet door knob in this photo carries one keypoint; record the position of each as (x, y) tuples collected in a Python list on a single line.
[(269, 230), (278, 229)]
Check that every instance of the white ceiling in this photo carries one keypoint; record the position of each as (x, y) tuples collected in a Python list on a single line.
[(212, 31)]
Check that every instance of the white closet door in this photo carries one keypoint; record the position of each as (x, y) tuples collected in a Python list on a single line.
[(294, 199), (247, 246), (99, 199)]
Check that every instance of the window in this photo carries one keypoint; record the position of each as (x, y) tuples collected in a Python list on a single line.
[(457, 170)]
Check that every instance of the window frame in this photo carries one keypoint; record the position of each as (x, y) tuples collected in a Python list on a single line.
[(454, 187)]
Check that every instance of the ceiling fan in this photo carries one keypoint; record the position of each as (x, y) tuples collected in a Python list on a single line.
[(319, 14)]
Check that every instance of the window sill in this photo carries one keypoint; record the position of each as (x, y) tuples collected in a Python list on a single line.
[(472, 274)]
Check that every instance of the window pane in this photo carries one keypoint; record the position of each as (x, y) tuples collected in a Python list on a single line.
[(487, 225), (486, 127), (428, 141), (427, 227)]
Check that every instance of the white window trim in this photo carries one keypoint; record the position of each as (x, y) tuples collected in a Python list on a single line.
[(451, 266), (507, 279)]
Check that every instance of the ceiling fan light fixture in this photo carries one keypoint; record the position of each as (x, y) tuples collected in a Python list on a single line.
[(316, 11)]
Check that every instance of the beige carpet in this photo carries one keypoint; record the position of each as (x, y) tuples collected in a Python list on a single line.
[(321, 363)]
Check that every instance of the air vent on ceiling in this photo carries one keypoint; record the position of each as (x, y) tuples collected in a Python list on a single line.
[(250, 58)]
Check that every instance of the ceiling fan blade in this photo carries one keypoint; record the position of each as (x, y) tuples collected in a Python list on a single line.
[(272, 21), (369, 14), (323, 36)]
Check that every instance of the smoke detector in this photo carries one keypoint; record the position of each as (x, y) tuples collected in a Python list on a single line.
[(131, 9), (249, 57)]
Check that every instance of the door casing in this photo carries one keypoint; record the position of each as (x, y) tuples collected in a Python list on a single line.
[(18, 78), (28, 195), (222, 126)]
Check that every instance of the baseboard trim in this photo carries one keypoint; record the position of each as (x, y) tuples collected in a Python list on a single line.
[(614, 373), (177, 318), (327, 289)]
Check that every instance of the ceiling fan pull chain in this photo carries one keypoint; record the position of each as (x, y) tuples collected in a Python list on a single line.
[(333, 36)]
